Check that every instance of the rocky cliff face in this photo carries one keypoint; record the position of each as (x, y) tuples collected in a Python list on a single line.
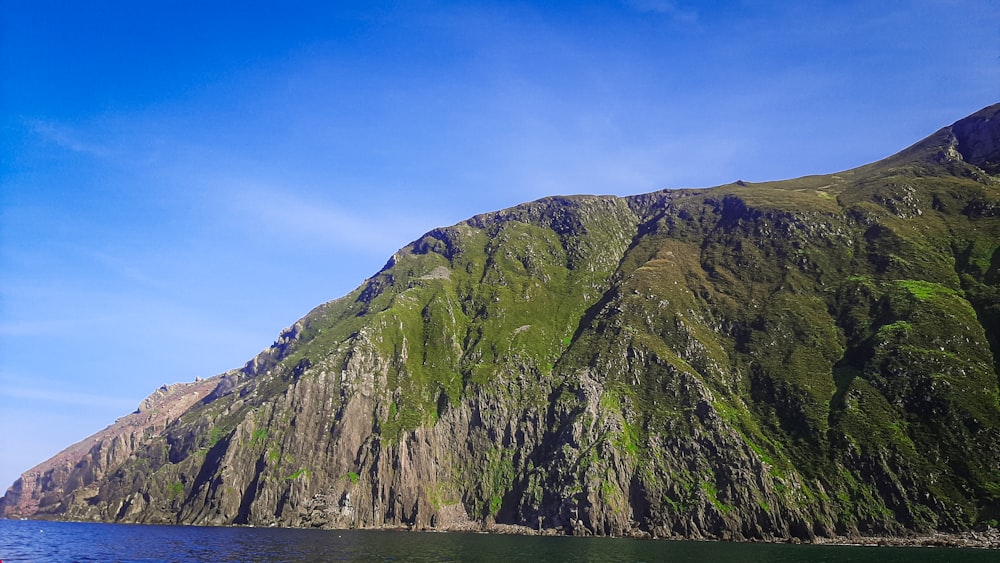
[(75, 473), (791, 359)]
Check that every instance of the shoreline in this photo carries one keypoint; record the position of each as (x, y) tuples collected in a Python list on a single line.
[(986, 539)]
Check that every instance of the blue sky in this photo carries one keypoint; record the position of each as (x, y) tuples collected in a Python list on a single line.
[(181, 180)]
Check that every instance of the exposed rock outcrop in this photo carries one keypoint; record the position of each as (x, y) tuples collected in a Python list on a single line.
[(978, 139), (73, 474)]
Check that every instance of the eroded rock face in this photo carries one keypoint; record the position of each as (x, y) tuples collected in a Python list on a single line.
[(73, 474), (805, 358), (979, 139)]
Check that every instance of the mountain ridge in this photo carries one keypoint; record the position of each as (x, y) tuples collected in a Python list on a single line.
[(802, 358)]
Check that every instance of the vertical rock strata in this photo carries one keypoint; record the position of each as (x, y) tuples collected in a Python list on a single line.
[(811, 357)]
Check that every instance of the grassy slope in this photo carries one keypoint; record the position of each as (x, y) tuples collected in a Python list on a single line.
[(833, 336)]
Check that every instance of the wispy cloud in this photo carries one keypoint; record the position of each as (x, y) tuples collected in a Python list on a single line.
[(120, 267), (40, 327), (67, 138), (66, 397), (665, 7), (284, 213)]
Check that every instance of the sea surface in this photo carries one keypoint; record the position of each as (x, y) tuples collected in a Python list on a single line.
[(26, 540)]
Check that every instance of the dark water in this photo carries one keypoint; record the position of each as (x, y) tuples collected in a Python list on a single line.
[(70, 541)]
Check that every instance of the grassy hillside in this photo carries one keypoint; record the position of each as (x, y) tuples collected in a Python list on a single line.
[(815, 356)]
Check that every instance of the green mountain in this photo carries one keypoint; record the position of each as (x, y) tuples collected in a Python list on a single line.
[(809, 357)]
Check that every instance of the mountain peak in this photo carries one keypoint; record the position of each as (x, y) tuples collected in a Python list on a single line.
[(977, 139)]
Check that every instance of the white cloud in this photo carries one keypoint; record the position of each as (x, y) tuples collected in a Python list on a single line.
[(52, 396), (66, 138), (665, 7), (297, 218), (40, 328), (122, 268)]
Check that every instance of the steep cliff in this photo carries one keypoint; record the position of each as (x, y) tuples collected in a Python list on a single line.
[(815, 356), (74, 473)]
